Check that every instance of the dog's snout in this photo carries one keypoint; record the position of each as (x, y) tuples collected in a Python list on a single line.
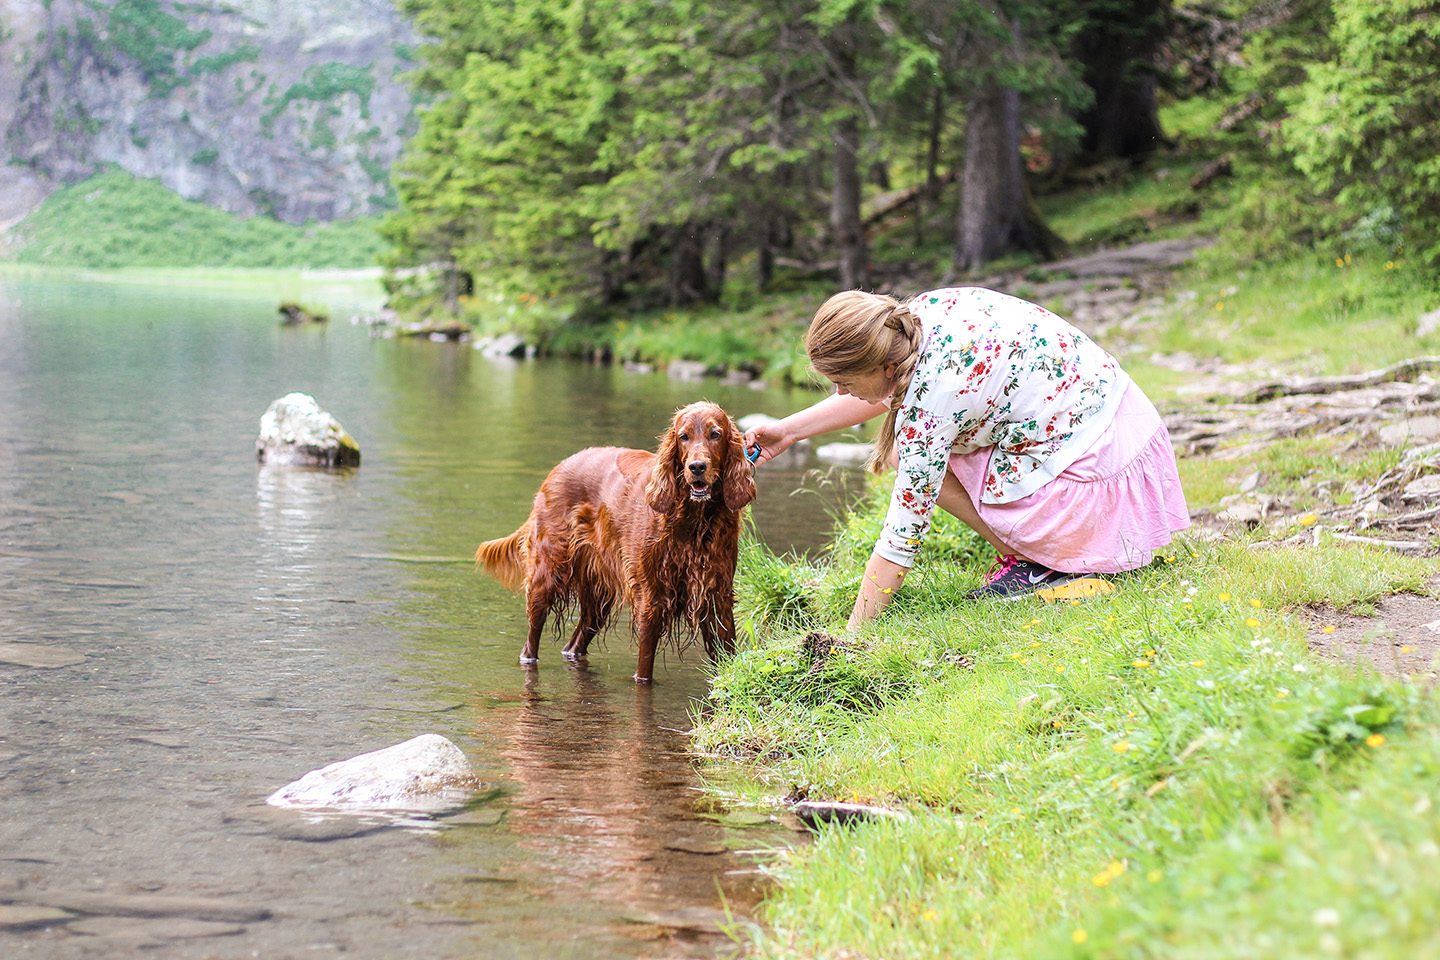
[(696, 467)]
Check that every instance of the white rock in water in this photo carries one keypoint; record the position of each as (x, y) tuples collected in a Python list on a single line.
[(404, 776), (503, 345), (752, 420), (846, 454), (295, 431)]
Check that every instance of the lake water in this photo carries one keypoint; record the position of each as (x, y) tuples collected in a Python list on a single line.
[(240, 626)]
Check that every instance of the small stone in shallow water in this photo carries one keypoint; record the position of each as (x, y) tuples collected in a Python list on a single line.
[(704, 848), (419, 774), (21, 916), (295, 432), (39, 655), (845, 454)]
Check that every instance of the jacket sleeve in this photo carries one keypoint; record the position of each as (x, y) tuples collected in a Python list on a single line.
[(926, 429)]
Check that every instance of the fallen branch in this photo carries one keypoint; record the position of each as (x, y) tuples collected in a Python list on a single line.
[(1404, 546)]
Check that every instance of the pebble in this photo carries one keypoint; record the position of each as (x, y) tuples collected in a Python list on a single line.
[(38, 655)]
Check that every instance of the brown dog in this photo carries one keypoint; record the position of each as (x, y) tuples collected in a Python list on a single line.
[(659, 531)]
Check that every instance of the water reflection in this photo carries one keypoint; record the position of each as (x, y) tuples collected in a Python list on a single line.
[(605, 806)]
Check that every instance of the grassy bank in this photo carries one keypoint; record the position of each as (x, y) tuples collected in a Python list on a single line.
[(114, 220), (1161, 772)]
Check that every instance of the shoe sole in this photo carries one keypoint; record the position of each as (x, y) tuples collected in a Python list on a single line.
[(1081, 588)]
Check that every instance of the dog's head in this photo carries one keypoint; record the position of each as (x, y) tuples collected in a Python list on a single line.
[(701, 456)]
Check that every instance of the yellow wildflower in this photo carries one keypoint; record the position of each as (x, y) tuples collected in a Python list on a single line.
[(1308, 520), (1154, 876), (1140, 664), (930, 915), (1197, 663), (1122, 747), (1256, 604), (1224, 597), (1060, 668), (1339, 262), (1079, 936), (1330, 629), (1406, 648), (1251, 622), (1375, 741)]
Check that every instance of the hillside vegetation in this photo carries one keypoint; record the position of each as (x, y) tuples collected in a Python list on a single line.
[(115, 220)]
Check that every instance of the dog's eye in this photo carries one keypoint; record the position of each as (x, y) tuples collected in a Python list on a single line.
[(714, 434), (684, 438)]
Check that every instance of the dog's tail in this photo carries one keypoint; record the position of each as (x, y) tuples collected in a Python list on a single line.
[(504, 559)]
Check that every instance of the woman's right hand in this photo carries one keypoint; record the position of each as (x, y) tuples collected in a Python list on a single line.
[(773, 439)]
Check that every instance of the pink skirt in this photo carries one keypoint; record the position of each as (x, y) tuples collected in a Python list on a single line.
[(1107, 512)]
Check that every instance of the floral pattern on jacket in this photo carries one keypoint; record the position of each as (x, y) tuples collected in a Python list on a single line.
[(993, 371)]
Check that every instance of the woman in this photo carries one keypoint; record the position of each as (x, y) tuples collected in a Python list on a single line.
[(1006, 416)]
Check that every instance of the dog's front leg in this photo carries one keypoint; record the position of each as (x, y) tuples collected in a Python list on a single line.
[(648, 624)]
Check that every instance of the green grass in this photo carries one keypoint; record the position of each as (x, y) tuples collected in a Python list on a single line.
[(1166, 769), (115, 220), (1301, 311)]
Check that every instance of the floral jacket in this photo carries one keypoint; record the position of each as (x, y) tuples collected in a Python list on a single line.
[(994, 371)]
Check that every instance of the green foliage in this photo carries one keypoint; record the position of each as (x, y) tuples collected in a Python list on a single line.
[(147, 34), (628, 153), (323, 83), (1364, 128), (115, 220), (218, 62)]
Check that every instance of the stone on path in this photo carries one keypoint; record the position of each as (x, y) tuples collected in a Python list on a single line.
[(416, 774), (39, 655), (295, 432)]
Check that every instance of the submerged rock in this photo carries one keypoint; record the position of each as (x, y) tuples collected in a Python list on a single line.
[(293, 314), (415, 774), (296, 432), (504, 345), (846, 454), (39, 655)]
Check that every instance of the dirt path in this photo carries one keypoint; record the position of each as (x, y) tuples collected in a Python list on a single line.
[(1401, 639)]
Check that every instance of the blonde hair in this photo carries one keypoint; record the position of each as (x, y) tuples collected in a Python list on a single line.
[(855, 332)]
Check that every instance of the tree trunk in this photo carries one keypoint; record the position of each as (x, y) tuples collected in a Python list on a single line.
[(1117, 50), (850, 242), (997, 214), (688, 280), (845, 186)]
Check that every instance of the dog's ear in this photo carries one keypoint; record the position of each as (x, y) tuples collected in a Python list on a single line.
[(663, 490), (738, 484)]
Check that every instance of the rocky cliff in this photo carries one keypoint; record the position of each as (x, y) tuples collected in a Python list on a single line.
[(256, 106)]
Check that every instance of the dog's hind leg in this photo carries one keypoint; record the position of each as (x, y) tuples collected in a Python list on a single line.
[(546, 588), (595, 606)]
